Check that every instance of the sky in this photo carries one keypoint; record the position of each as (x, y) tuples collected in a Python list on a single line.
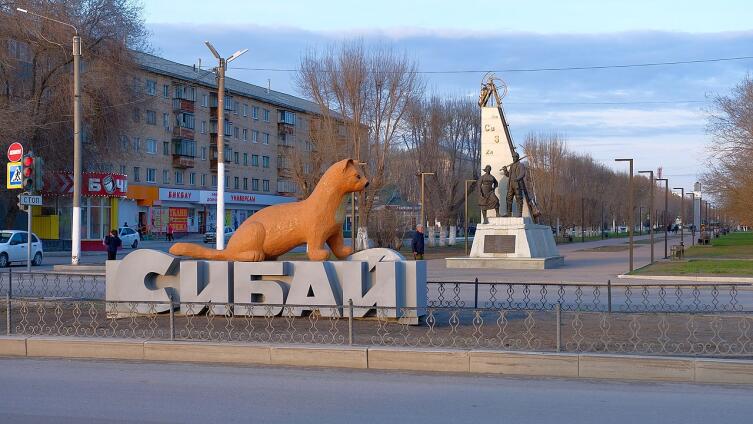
[(656, 114)]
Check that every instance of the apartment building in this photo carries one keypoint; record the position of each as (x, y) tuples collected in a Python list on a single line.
[(165, 169)]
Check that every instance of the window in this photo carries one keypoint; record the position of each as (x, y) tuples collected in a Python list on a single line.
[(166, 91), (245, 134), (287, 117), (151, 175), (179, 177), (166, 121), (203, 180), (236, 158), (203, 153), (186, 120), (203, 127), (236, 183), (151, 146), (165, 176), (214, 181), (228, 128), (185, 92), (151, 117), (192, 178), (237, 132), (165, 148), (265, 161), (227, 181), (266, 115), (124, 142), (136, 174), (151, 87), (254, 160), (255, 112), (204, 100), (136, 114), (245, 183), (245, 109), (255, 136), (255, 184), (245, 159), (136, 144), (265, 185), (265, 138), (185, 148), (122, 169)]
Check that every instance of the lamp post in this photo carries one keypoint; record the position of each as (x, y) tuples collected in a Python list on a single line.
[(466, 214), (76, 218), (631, 210), (640, 220), (682, 214), (692, 240), (666, 202), (651, 217), (423, 174), (221, 67)]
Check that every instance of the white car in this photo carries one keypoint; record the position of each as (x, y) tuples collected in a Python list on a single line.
[(211, 236), (13, 248), (129, 237)]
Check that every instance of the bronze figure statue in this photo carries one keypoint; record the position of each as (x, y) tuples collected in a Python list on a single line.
[(487, 198), (516, 187)]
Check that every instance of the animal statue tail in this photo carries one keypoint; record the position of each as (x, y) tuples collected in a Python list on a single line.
[(196, 251)]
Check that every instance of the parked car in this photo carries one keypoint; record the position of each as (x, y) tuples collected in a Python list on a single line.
[(13, 248), (211, 236), (129, 237)]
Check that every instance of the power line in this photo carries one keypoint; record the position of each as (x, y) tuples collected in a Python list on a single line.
[(638, 102), (546, 69)]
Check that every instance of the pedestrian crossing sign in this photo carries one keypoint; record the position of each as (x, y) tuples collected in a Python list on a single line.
[(15, 175)]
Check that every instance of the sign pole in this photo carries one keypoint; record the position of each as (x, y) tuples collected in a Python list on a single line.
[(28, 239)]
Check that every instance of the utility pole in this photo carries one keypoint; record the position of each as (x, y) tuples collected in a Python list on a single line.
[(651, 216), (222, 66), (666, 213), (631, 209), (423, 174), (76, 218), (682, 215), (692, 240)]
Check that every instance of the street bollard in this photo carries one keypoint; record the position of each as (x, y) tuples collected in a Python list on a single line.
[(350, 321), (609, 296), (558, 310), (475, 294), (172, 317)]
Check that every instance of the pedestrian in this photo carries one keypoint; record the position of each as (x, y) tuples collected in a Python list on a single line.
[(418, 243), (112, 242), (169, 231)]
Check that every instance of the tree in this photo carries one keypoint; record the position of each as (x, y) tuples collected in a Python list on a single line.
[(36, 78)]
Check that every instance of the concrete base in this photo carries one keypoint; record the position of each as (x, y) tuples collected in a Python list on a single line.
[(506, 263), (80, 269)]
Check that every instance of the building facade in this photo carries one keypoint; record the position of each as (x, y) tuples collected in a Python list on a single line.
[(166, 160)]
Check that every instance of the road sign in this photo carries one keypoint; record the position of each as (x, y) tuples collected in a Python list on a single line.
[(15, 152), (15, 178), (29, 200)]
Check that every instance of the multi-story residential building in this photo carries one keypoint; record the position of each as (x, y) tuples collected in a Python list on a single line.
[(166, 164)]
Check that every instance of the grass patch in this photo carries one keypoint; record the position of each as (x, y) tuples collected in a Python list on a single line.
[(741, 268), (731, 246), (610, 248)]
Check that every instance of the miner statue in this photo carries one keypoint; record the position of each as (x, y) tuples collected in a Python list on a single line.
[(487, 197), (516, 187)]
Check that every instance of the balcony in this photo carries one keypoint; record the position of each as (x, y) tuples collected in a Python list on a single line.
[(183, 162), (285, 128), (183, 105), (183, 133)]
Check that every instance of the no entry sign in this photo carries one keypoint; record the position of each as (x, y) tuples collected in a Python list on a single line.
[(15, 152)]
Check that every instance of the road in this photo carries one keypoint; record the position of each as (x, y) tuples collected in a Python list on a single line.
[(70, 391)]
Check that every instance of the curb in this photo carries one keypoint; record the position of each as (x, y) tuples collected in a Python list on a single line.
[(700, 279), (539, 364)]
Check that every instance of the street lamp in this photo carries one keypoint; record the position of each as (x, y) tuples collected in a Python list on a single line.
[(630, 209), (666, 202), (466, 214), (650, 208), (222, 66), (682, 215), (423, 174), (76, 218), (692, 240)]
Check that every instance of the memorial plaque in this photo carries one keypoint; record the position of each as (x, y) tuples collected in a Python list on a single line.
[(499, 244)]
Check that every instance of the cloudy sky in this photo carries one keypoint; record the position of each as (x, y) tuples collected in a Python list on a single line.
[(656, 114)]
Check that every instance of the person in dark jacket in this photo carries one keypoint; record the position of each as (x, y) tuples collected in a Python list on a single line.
[(113, 242), (418, 243)]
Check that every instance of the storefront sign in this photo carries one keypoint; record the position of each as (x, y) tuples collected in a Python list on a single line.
[(210, 198), (179, 219), (101, 184), (178, 195)]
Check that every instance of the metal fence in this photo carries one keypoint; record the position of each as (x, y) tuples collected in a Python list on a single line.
[(697, 320)]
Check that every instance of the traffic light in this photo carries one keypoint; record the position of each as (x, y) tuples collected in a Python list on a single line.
[(28, 173), (38, 171)]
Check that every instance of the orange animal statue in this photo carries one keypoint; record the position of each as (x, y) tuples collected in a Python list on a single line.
[(277, 229)]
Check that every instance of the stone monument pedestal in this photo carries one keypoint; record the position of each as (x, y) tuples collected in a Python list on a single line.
[(511, 243)]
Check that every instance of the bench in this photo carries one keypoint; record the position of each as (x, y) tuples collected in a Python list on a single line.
[(677, 252)]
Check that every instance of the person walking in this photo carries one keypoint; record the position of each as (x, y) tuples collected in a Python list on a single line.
[(418, 243), (113, 243), (170, 231)]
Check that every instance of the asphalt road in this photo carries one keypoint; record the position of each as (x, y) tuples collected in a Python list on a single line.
[(68, 391)]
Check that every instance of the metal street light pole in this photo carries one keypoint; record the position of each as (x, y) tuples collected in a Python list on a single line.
[(222, 66), (651, 216), (631, 210), (666, 202), (682, 215), (76, 210), (423, 174), (466, 215), (692, 240)]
